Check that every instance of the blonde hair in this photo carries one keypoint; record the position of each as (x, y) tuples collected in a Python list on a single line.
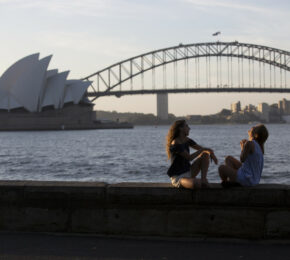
[(173, 133), (260, 135)]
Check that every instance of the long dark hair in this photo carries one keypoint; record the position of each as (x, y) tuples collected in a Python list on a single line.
[(173, 133), (261, 135)]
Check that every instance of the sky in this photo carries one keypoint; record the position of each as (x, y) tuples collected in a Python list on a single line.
[(87, 35)]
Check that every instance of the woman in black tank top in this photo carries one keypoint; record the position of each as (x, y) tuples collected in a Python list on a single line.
[(182, 172)]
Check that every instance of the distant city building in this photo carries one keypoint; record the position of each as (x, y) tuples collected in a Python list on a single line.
[(284, 106), (236, 107), (275, 114), (193, 118), (264, 109), (250, 108), (162, 106)]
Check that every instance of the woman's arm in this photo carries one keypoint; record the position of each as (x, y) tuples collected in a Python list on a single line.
[(199, 151), (247, 147), (178, 147), (192, 156), (210, 151), (197, 147)]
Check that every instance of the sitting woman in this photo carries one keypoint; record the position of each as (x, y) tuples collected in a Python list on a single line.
[(181, 172), (247, 171)]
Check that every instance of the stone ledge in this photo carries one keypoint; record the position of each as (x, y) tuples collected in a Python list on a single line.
[(159, 193), (145, 209), (273, 195)]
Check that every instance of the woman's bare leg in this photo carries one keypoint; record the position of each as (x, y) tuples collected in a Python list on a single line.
[(233, 162), (227, 173), (201, 164), (204, 166), (190, 183)]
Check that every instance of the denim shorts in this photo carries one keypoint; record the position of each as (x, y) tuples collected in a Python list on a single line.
[(242, 179), (175, 180)]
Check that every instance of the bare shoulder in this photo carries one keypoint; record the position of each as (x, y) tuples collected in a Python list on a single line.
[(175, 141)]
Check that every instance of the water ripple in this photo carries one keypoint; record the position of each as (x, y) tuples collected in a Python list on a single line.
[(127, 155)]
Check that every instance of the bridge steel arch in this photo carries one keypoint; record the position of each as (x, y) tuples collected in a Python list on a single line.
[(105, 80)]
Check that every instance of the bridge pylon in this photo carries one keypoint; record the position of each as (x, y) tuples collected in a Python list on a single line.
[(162, 106)]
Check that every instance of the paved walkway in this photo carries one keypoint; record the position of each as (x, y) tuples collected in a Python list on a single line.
[(62, 246)]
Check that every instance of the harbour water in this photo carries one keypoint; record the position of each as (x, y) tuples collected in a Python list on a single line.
[(127, 155)]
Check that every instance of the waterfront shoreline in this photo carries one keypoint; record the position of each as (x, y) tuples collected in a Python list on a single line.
[(97, 126)]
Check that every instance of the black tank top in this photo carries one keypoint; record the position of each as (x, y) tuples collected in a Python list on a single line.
[(179, 164)]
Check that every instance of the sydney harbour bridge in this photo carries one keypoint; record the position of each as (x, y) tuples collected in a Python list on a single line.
[(195, 68)]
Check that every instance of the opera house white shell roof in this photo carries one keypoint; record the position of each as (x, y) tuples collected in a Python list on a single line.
[(28, 84)]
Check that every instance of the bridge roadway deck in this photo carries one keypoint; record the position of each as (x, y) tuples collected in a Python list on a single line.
[(187, 90)]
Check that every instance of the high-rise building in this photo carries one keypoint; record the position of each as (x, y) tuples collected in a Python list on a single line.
[(236, 107), (284, 106), (264, 109)]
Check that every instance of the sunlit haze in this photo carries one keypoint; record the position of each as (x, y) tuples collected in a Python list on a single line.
[(85, 36)]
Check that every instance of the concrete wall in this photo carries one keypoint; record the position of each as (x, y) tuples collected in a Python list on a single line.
[(70, 117), (146, 209)]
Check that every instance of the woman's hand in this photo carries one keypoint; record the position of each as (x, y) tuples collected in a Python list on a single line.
[(242, 143), (207, 150), (211, 154), (213, 157), (248, 148)]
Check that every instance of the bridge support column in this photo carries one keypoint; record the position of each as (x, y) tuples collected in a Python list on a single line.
[(162, 106)]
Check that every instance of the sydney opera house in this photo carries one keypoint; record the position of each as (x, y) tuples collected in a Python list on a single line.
[(35, 98)]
